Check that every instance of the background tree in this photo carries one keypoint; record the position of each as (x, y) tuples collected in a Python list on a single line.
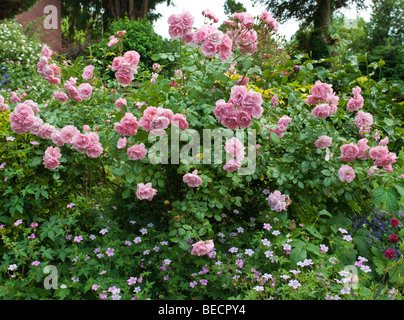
[(93, 16), (232, 6), (11, 8)]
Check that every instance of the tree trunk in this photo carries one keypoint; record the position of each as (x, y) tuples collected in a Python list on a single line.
[(132, 9), (324, 11)]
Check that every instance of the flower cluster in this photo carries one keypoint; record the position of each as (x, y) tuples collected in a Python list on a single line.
[(51, 158), (180, 25), (156, 120), (240, 109), (355, 103), (3, 106), (324, 98), (235, 148), (192, 179), (242, 32), (126, 67), (282, 126), (80, 93), (49, 72), (212, 41)]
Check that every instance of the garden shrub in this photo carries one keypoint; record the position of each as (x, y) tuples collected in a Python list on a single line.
[(259, 207)]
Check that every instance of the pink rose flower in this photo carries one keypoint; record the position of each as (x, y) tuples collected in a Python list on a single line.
[(235, 148), (56, 139), (179, 121), (277, 201), (346, 173), (67, 134), (113, 41), (252, 102), (321, 111), (132, 57), (145, 191), (321, 90), (94, 150), (121, 144), (88, 72), (81, 142), (378, 152), (46, 131), (125, 74), (323, 142), (202, 248), (349, 152), (237, 94), (223, 109), (208, 49), (363, 147), (53, 152), (46, 51), (244, 118), (137, 151), (175, 31), (116, 63), (230, 121), (363, 120), (85, 90), (192, 179), (60, 96), (232, 165), (50, 163), (158, 125)]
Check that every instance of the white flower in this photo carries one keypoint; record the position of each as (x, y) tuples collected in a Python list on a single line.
[(12, 267), (294, 283)]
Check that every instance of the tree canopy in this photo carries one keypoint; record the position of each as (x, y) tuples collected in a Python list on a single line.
[(315, 12), (11, 8)]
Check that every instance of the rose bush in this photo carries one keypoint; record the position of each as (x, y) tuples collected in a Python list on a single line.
[(223, 142)]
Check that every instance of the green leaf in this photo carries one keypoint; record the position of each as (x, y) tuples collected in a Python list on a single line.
[(297, 254), (392, 204), (118, 172)]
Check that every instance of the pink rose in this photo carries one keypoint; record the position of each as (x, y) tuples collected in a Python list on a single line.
[(68, 133), (223, 109), (53, 152), (252, 103), (22, 119), (50, 163), (378, 152), (36, 126), (125, 74), (132, 57), (363, 147), (349, 152), (81, 142), (56, 139), (121, 144), (46, 130), (321, 90), (145, 191), (179, 121), (85, 90), (244, 118), (192, 179), (277, 201), (230, 121), (208, 49), (158, 125), (346, 173), (113, 41), (46, 51), (235, 148), (202, 248), (60, 96), (128, 125), (232, 165), (237, 94), (137, 151), (88, 72), (363, 120), (94, 150), (321, 111), (372, 170), (323, 142), (116, 63), (201, 34), (175, 31)]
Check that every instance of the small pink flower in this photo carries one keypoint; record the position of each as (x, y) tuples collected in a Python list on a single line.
[(113, 41), (145, 191), (202, 248), (121, 143), (192, 179), (85, 90), (137, 151), (346, 173), (323, 142), (232, 165), (60, 96), (88, 72)]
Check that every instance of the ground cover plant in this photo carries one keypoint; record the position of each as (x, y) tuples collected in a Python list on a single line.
[(238, 174)]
